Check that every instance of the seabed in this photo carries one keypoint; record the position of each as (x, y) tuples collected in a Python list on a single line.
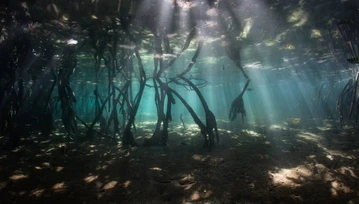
[(305, 161)]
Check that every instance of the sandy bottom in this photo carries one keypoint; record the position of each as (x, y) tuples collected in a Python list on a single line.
[(312, 162)]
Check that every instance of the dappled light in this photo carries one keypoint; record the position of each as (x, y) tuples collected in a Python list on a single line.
[(298, 18), (254, 134), (59, 168), (90, 178), (195, 196), (110, 185), (126, 184), (155, 169), (338, 187), (271, 158), (59, 187), (347, 171), (309, 136), (16, 177), (38, 192), (291, 177)]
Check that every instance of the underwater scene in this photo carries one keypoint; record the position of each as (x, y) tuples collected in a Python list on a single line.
[(179, 101)]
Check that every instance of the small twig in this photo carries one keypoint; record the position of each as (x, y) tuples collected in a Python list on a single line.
[(184, 126)]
